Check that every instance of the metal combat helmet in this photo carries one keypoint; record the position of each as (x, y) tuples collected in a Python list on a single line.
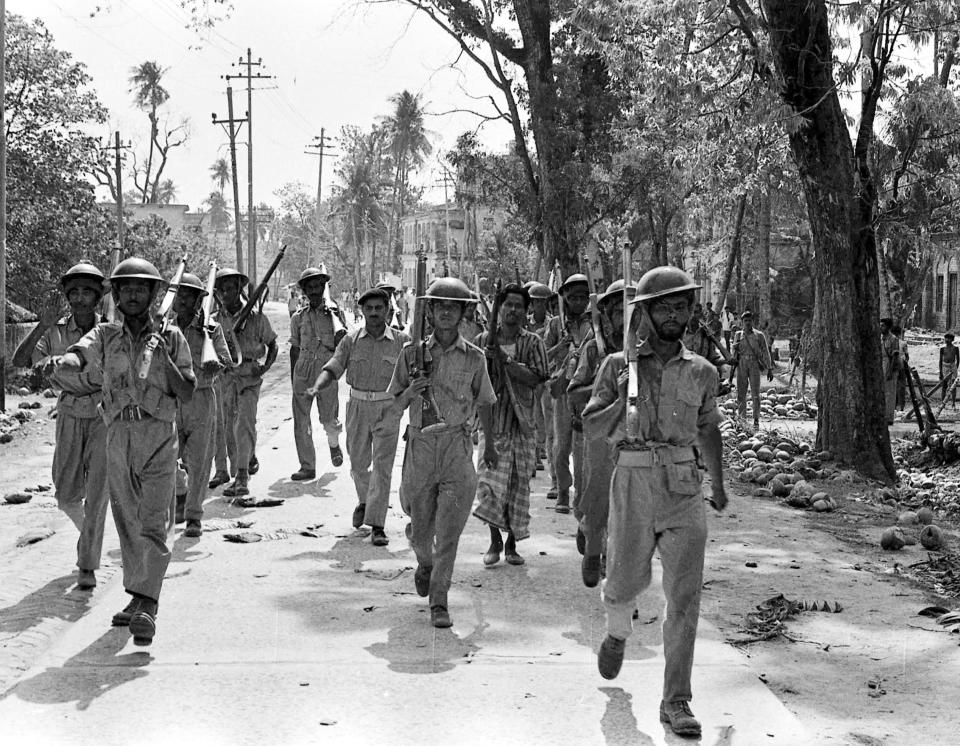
[(135, 268), (575, 279), (449, 288), (84, 274), (225, 272), (539, 290), (662, 281), (319, 272), (614, 292), (190, 280)]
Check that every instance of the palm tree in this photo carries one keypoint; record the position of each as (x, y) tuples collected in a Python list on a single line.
[(148, 95), (358, 198), (219, 214), (220, 173), (409, 145), (166, 192)]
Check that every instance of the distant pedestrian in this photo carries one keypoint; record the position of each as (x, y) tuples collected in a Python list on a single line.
[(752, 357), (891, 366), (949, 356)]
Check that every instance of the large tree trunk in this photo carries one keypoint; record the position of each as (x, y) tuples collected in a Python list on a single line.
[(762, 257), (733, 258), (553, 146), (840, 203)]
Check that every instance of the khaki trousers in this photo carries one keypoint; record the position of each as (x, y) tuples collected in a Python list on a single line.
[(645, 514), (439, 482), (328, 406), (142, 474), (748, 372), (373, 428), (565, 442), (80, 478), (196, 422), (225, 441)]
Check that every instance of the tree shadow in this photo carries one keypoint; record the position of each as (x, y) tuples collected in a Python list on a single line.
[(312, 488), (50, 601), (413, 645), (91, 673), (619, 724)]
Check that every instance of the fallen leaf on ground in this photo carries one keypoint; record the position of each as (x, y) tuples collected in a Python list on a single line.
[(32, 537)]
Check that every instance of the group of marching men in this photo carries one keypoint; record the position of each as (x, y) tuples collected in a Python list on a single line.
[(125, 421)]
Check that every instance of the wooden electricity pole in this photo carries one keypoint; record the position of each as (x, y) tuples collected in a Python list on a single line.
[(251, 213), (322, 145), (231, 125), (108, 309)]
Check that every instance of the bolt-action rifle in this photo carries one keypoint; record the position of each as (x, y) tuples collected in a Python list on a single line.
[(632, 418), (259, 292), (419, 359), (166, 320)]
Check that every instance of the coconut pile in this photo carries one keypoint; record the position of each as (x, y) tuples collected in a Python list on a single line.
[(781, 466), (776, 403), (10, 423)]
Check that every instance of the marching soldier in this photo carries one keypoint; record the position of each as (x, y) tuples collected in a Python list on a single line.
[(592, 506), (79, 458), (519, 362), (655, 492), (537, 321), (241, 385), (562, 343), (140, 415), (196, 419), (439, 478), (368, 356), (313, 339)]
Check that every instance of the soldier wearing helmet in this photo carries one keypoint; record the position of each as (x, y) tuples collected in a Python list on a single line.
[(313, 340), (140, 416), (593, 492), (655, 490), (537, 321), (196, 419), (79, 457), (239, 387), (439, 479), (562, 342), (697, 340), (367, 356)]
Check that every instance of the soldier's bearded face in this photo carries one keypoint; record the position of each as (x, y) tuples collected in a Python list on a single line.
[(670, 317)]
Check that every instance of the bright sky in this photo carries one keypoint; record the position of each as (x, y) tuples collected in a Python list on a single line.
[(335, 62)]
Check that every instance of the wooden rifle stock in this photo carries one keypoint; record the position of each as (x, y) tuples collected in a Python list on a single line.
[(254, 299), (166, 319), (632, 420), (595, 311), (209, 357)]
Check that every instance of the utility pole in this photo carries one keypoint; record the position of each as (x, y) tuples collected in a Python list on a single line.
[(446, 216), (3, 208), (251, 214), (231, 130), (321, 144), (108, 309)]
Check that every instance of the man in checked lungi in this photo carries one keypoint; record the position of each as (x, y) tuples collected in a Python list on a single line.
[(517, 361)]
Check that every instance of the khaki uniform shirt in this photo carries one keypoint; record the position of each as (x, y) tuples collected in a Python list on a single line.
[(458, 377), (579, 329), (112, 348), (79, 390), (257, 334), (195, 337), (368, 361), (677, 399)]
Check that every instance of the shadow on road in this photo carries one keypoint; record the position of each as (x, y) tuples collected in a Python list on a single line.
[(313, 488), (89, 674), (619, 724), (52, 600)]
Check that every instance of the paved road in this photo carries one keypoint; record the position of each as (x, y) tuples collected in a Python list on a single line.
[(322, 639)]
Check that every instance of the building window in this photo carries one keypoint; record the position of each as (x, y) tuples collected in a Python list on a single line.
[(939, 296)]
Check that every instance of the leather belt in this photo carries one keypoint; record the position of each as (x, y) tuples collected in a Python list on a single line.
[(655, 455), (359, 395), (131, 412)]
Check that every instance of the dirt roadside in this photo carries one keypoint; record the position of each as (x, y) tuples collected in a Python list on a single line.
[(872, 674)]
